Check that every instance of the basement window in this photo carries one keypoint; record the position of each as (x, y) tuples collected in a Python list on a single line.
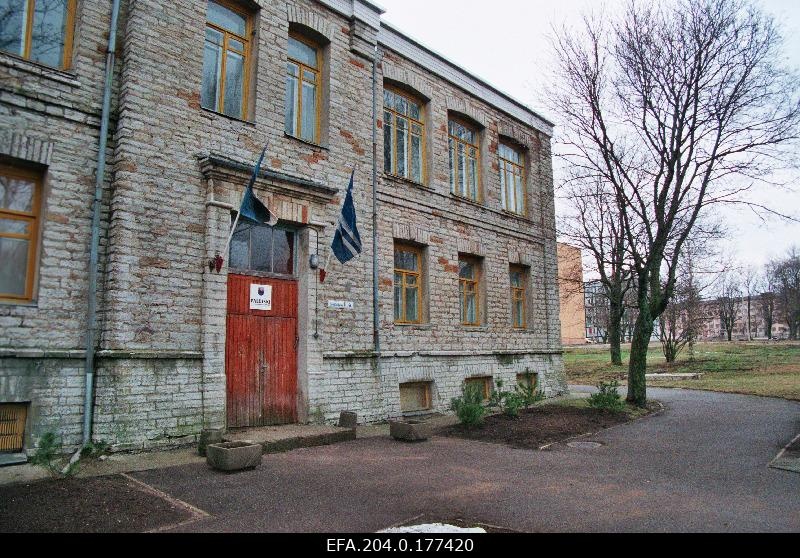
[(528, 380), (483, 383), (12, 426), (415, 397)]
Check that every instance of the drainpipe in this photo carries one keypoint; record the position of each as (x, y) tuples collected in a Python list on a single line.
[(91, 325), (376, 335)]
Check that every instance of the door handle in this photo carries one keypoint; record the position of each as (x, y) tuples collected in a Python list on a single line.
[(296, 343)]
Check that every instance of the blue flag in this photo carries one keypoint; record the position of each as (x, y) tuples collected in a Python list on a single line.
[(347, 242), (252, 208)]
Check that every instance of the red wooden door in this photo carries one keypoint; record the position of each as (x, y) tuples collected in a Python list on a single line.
[(261, 354)]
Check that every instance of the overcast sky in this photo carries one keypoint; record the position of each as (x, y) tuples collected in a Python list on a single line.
[(505, 43)]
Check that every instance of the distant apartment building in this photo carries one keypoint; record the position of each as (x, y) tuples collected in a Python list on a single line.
[(570, 290), (712, 328)]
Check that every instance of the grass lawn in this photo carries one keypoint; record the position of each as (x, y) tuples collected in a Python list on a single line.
[(758, 368)]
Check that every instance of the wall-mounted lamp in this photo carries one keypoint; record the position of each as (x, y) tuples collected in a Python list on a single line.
[(313, 262), (215, 263)]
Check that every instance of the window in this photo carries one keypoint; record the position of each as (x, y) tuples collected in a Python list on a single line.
[(529, 380), (512, 180), (264, 249), (484, 384), (464, 156), (12, 426), (403, 136), (225, 59), (407, 285), (415, 397), (469, 291), (20, 192), (303, 90), (39, 30), (518, 288)]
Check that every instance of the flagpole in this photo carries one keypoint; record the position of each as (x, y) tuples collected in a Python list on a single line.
[(233, 231), (250, 185)]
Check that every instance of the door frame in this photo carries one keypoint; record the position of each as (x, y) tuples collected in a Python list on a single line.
[(305, 284)]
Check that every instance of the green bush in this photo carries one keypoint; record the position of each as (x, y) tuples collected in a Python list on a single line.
[(508, 402), (608, 399), (48, 456), (469, 407), (527, 390)]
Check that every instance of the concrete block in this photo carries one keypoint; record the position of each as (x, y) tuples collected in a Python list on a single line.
[(234, 456)]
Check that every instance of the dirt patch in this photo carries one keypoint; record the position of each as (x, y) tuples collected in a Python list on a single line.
[(539, 426), (96, 505)]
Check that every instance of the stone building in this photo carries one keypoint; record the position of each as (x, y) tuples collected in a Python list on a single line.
[(466, 253)]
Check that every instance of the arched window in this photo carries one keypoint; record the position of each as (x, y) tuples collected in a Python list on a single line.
[(464, 160), (512, 179), (303, 88), (225, 59), (403, 136)]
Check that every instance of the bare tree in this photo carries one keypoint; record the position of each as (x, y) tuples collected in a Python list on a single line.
[(728, 303), (680, 322), (785, 276), (595, 227), (665, 106), (750, 279), (767, 301)]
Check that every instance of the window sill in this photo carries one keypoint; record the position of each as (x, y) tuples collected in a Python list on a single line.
[(305, 142), (212, 115), (474, 327), (17, 302), (467, 200), (514, 214), (407, 181), (37, 69), (418, 327)]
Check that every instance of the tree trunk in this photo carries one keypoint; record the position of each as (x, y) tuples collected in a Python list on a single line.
[(637, 368), (614, 332), (749, 325)]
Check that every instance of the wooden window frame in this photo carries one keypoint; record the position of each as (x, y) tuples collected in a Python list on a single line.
[(33, 219), (522, 377), (513, 169), (259, 273), (462, 291), (318, 82), (69, 34), (517, 294), (423, 141), (427, 396), (13, 419), (485, 383), (420, 286), (454, 182), (226, 35)]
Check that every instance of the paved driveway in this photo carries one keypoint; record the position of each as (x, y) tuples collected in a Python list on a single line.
[(701, 465)]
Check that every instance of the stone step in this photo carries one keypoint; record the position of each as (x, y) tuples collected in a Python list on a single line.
[(288, 438)]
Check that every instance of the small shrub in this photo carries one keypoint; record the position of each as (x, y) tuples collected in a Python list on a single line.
[(469, 407), (527, 390), (508, 402), (48, 456), (608, 399), (513, 402)]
